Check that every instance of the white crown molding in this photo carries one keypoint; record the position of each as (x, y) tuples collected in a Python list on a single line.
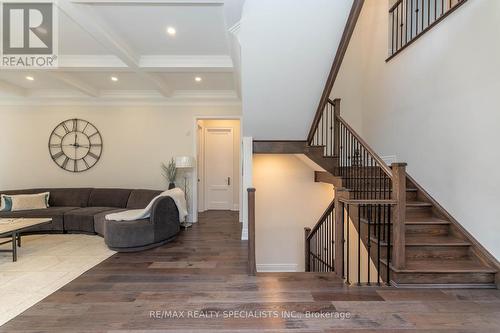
[(186, 62), (125, 98), (95, 61), (277, 268)]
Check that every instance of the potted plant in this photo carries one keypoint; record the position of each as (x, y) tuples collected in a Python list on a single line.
[(169, 171)]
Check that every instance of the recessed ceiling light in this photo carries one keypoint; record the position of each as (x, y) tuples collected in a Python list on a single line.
[(30, 78), (197, 79), (171, 31), (114, 79)]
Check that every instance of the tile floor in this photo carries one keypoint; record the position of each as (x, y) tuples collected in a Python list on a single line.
[(45, 264)]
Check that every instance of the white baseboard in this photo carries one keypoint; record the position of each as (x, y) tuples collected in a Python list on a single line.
[(277, 268)]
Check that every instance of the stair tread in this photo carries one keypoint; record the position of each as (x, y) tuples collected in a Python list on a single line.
[(418, 204), (437, 265), (429, 240), (426, 220)]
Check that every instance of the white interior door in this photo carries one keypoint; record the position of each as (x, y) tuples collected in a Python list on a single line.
[(219, 161), (200, 160)]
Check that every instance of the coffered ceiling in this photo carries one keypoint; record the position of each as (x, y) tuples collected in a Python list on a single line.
[(125, 49)]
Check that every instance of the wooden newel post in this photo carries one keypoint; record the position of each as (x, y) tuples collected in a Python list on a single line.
[(399, 215), (307, 249), (339, 231), (336, 131), (252, 268)]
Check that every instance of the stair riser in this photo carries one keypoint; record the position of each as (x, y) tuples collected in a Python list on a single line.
[(442, 252), (428, 252), (416, 212), (430, 229), (443, 278)]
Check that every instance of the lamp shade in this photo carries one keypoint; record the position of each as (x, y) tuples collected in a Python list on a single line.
[(184, 162)]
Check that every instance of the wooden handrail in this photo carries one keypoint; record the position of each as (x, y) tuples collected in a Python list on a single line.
[(321, 219), (252, 267), (372, 152), (396, 4), (337, 62)]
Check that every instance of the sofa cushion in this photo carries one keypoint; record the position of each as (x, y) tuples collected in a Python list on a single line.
[(82, 219), (109, 197), (100, 220), (56, 213), (69, 197), (139, 199)]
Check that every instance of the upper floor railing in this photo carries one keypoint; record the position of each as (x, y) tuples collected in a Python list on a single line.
[(409, 19)]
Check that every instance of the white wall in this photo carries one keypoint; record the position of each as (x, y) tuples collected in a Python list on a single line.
[(287, 50), (435, 106), (287, 200), (136, 140)]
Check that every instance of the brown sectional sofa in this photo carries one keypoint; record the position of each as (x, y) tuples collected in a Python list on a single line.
[(83, 210)]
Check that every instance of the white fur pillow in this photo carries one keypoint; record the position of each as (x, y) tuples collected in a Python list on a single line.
[(28, 201)]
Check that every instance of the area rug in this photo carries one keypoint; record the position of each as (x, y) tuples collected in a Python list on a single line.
[(45, 263)]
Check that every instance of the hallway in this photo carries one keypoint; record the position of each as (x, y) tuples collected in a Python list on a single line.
[(174, 288)]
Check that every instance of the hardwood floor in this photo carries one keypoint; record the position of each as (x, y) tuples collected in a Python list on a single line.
[(204, 270)]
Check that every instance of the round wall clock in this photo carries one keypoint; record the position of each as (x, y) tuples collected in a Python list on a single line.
[(75, 145)]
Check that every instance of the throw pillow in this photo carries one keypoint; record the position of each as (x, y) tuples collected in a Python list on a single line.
[(27, 201)]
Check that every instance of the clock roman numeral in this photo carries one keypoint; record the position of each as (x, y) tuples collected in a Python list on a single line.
[(75, 125), (55, 145), (86, 125), (75, 166), (93, 155), (86, 163), (65, 163), (66, 129), (93, 134), (56, 156)]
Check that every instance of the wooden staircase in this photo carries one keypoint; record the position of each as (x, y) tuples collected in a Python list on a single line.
[(438, 251)]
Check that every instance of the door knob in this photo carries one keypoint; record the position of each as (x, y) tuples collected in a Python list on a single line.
[(228, 181)]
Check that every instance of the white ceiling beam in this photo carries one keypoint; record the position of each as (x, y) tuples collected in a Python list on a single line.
[(12, 89), (104, 34), (76, 83), (100, 32), (160, 84), (90, 62), (186, 63)]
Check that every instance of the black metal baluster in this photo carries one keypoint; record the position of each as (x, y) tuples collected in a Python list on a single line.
[(423, 14), (392, 35), (389, 245), (378, 243), (369, 242), (343, 241), (416, 17), (347, 240), (359, 245), (411, 19), (406, 22), (401, 25), (396, 27)]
